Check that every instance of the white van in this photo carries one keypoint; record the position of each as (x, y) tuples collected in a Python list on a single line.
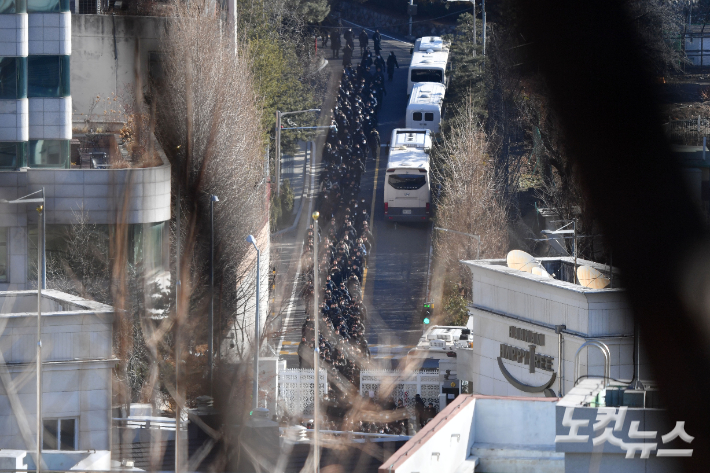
[(430, 57), (407, 182), (424, 107)]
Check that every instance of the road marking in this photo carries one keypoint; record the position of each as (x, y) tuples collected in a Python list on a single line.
[(292, 303)]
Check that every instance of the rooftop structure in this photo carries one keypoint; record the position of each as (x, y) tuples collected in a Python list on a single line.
[(529, 329), (507, 434), (440, 340)]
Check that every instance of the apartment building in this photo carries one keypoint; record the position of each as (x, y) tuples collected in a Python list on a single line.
[(36, 154)]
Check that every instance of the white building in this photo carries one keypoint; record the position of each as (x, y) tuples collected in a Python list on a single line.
[(517, 314), (77, 380)]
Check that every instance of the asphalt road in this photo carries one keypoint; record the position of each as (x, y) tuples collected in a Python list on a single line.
[(395, 284), (395, 281)]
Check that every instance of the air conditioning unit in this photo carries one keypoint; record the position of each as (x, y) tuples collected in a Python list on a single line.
[(437, 344)]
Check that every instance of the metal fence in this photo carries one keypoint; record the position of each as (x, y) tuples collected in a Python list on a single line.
[(402, 385)]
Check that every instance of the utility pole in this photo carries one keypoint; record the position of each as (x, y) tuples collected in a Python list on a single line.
[(411, 5), (177, 332), (483, 14), (210, 348), (474, 28)]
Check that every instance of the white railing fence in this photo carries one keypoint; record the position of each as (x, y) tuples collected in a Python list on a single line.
[(296, 391)]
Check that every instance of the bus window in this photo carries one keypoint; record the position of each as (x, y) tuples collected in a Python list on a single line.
[(429, 117), (426, 75), (417, 116), (408, 182)]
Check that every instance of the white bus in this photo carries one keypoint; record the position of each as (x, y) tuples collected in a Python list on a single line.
[(430, 56), (407, 188), (424, 107)]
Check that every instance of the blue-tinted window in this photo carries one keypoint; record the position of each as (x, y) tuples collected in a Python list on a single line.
[(12, 154), (48, 153), (48, 76), (13, 77), (13, 6), (47, 6)]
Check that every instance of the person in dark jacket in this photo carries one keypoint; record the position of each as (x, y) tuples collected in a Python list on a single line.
[(376, 40), (335, 43), (391, 64), (304, 354), (347, 55), (419, 407), (363, 41), (348, 35), (379, 62)]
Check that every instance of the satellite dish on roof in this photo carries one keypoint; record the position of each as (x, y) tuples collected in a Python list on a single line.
[(518, 259), (592, 278), (540, 271)]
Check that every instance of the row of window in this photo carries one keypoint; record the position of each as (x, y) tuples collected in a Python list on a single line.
[(428, 117), (35, 76), (35, 154), (34, 6)]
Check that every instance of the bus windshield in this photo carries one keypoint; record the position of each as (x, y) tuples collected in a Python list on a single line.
[(426, 75), (406, 181)]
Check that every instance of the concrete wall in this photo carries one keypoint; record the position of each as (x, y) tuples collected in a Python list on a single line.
[(548, 301), (240, 339), (488, 434), (103, 52), (479, 365)]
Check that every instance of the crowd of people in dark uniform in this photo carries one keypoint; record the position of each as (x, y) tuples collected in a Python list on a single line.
[(344, 235), (345, 240)]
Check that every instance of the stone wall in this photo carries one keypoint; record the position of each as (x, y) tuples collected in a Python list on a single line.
[(388, 23)]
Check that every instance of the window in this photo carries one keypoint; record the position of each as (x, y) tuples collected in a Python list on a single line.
[(48, 153), (12, 154), (13, 77), (417, 116), (406, 181), (59, 434), (429, 117), (426, 75), (146, 245), (48, 76), (47, 6), (13, 6)]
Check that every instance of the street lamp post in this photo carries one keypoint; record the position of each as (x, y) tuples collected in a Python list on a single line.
[(278, 129), (41, 282), (477, 237), (316, 345), (255, 384), (210, 348)]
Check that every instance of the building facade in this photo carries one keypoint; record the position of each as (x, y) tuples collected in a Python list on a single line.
[(528, 328), (77, 344), (35, 84)]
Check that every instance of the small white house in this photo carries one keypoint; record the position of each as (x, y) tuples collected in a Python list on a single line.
[(76, 381)]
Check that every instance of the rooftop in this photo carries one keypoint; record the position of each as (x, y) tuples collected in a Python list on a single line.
[(24, 303), (427, 93), (560, 269)]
